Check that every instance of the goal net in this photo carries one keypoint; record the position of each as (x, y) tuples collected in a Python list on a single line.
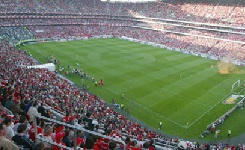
[(237, 87)]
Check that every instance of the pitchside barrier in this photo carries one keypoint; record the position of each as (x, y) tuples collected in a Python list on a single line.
[(222, 118), (75, 128), (240, 104)]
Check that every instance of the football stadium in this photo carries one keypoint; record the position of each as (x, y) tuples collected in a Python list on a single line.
[(133, 75)]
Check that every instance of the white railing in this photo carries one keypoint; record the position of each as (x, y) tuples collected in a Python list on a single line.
[(75, 127)]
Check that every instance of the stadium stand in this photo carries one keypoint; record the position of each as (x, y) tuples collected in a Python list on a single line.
[(211, 30)]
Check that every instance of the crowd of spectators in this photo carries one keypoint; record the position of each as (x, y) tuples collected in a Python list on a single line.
[(219, 12), (15, 34), (23, 90)]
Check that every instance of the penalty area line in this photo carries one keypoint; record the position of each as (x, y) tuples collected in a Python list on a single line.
[(208, 111)]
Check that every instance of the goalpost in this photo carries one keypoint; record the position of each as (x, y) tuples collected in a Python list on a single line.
[(235, 86)]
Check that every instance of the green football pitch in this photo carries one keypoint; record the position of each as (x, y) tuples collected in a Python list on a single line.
[(183, 91)]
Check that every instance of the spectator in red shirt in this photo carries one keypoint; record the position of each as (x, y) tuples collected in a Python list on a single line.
[(59, 128), (59, 136), (40, 126), (128, 143), (104, 145), (96, 143), (80, 139), (134, 146), (66, 118), (151, 146)]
